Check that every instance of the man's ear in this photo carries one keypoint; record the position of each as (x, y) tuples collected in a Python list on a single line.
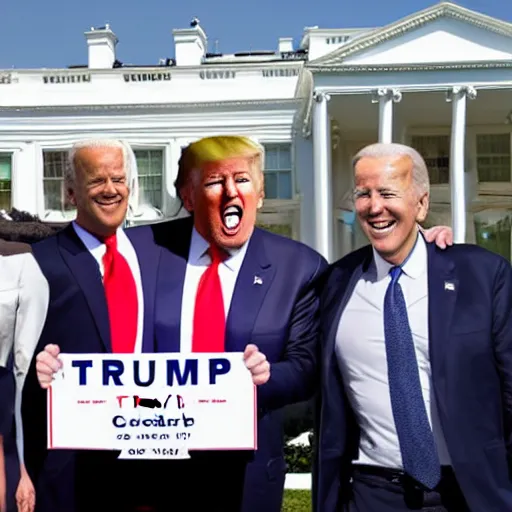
[(262, 191), (71, 195), (187, 197), (423, 206), (260, 200)]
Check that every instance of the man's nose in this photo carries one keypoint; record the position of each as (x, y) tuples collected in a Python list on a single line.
[(376, 203), (110, 188), (230, 188)]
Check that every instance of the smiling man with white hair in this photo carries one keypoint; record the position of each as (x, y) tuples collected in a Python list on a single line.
[(416, 393), (95, 271)]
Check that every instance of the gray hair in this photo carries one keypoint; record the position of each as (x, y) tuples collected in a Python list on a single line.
[(383, 150), (128, 155)]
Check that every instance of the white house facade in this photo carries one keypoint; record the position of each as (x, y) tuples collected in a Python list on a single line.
[(439, 80)]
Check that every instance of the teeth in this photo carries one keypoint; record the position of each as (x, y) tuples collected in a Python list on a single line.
[(381, 225), (231, 221), (230, 210)]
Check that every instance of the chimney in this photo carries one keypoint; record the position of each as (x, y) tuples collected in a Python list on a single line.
[(285, 44), (101, 43), (190, 44)]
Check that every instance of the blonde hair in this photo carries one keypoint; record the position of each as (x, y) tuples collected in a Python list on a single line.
[(215, 149)]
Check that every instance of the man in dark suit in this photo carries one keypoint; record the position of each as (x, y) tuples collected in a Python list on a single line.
[(89, 312), (268, 300), (102, 291), (415, 407), (269, 297)]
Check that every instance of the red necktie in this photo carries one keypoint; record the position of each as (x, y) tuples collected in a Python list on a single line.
[(121, 295), (209, 317)]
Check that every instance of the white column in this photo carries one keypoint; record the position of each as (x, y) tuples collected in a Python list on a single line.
[(322, 176), (458, 96), (385, 98)]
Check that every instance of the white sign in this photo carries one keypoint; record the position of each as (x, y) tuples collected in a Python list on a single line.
[(152, 405)]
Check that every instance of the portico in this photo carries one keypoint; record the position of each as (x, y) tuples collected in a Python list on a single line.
[(385, 87)]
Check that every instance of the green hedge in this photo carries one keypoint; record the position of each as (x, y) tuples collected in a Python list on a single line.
[(299, 457), (296, 501)]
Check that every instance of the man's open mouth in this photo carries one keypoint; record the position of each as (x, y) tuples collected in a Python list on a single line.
[(382, 226), (232, 216)]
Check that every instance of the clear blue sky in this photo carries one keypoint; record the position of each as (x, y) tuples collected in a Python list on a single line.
[(49, 33)]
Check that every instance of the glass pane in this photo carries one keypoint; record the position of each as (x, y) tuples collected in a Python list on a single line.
[(53, 199), (285, 157), (271, 185), (493, 231), (54, 164), (285, 185), (142, 158), (271, 158), (150, 166), (435, 150), (5, 199), (5, 167), (157, 161)]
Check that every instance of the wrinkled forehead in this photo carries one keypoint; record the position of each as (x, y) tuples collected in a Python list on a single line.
[(379, 171)]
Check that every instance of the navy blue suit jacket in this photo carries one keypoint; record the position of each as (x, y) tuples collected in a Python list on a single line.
[(280, 316), (78, 322), (470, 336)]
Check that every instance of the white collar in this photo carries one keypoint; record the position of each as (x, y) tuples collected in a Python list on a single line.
[(198, 255), (414, 266)]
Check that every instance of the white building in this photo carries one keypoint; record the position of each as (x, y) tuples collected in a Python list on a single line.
[(440, 80)]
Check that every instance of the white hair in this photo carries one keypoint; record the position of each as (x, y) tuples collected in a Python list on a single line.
[(128, 155), (384, 150)]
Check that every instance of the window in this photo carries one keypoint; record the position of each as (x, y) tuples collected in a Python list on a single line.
[(493, 231), (54, 168), (435, 150), (493, 157), (150, 165), (5, 181), (278, 171)]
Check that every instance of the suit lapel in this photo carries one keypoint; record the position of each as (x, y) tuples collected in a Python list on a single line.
[(442, 295), (252, 285), (85, 269), (174, 237), (340, 291), (148, 256)]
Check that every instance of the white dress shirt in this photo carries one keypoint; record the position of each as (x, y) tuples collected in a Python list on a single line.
[(125, 247), (198, 261), (361, 355)]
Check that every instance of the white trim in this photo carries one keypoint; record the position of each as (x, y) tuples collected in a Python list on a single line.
[(300, 481), (412, 22)]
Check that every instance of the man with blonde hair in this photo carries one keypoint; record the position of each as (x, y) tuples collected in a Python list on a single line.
[(239, 288)]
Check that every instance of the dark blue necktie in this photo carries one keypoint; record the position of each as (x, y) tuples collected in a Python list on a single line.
[(417, 445)]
